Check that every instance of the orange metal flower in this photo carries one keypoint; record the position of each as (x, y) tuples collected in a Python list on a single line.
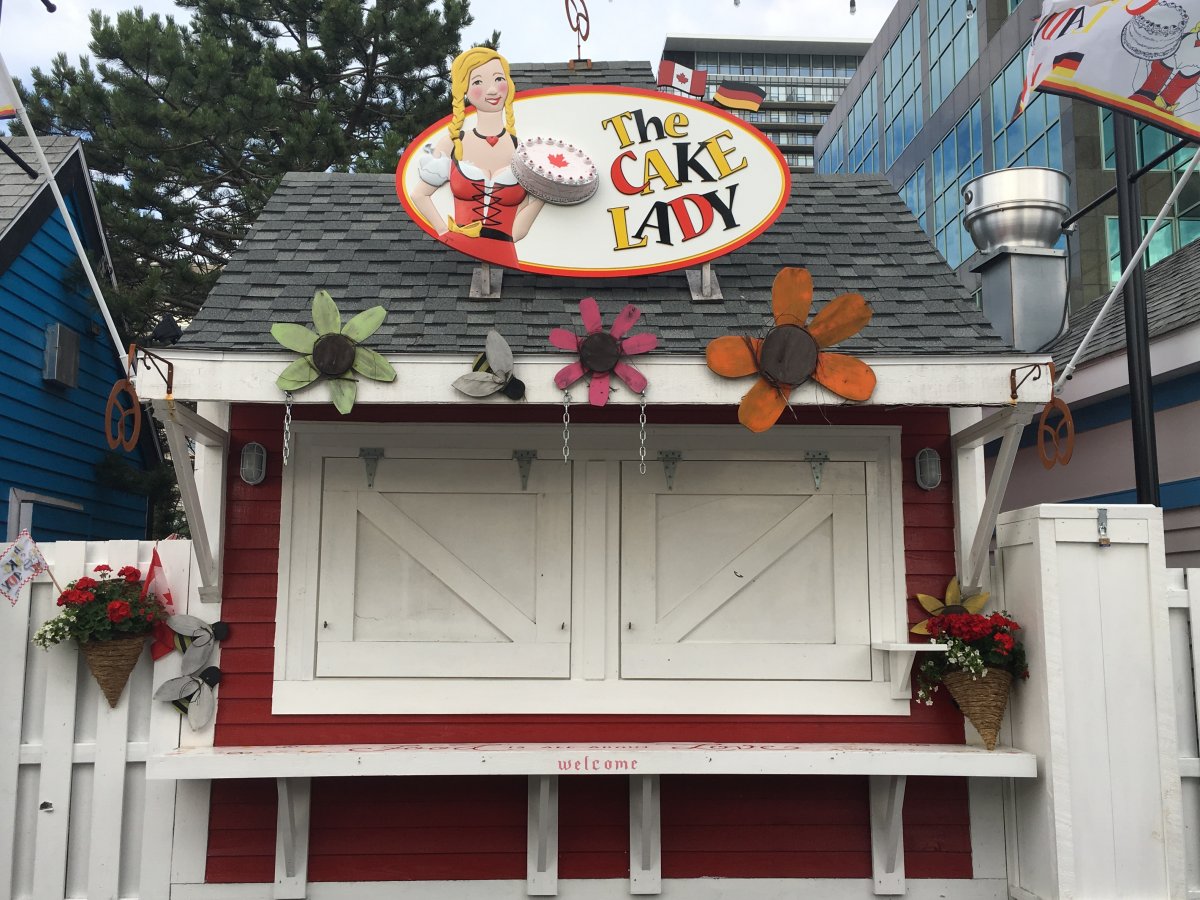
[(792, 352)]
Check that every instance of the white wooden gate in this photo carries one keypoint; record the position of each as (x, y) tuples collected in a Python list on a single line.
[(1183, 600), (77, 816)]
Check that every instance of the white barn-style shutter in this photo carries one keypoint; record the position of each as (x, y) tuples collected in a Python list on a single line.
[(745, 570), (444, 568)]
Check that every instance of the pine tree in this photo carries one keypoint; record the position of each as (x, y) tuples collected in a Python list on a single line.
[(189, 128)]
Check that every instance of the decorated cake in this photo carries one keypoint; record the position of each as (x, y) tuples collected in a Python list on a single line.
[(555, 171)]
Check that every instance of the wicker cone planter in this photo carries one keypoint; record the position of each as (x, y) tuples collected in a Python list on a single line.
[(111, 662), (982, 701)]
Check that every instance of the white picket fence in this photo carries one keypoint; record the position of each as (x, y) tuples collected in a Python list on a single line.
[(1183, 599), (77, 816), (79, 820)]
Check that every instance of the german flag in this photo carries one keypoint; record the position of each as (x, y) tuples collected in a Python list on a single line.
[(739, 95), (1066, 64), (7, 112)]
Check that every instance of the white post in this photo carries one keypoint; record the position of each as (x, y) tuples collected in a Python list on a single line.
[(1103, 818)]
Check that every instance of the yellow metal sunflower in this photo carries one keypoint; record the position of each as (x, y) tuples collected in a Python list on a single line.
[(954, 603)]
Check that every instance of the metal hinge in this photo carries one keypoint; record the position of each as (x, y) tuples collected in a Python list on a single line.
[(816, 460), (1102, 528), (524, 460), (370, 457), (670, 460)]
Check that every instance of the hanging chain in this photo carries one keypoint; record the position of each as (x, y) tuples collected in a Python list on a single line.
[(642, 437), (566, 426), (287, 427)]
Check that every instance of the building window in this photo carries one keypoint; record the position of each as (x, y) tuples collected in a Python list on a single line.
[(1151, 143), (953, 47), (799, 160), (956, 160), (1176, 232), (902, 91), (833, 160), (913, 194), (1033, 138), (864, 131)]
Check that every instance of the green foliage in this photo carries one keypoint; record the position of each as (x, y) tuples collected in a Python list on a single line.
[(157, 484), (188, 128)]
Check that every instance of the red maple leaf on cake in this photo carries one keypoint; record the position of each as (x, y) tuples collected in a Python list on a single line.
[(557, 160)]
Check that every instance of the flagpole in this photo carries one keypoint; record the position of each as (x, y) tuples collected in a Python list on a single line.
[(6, 84)]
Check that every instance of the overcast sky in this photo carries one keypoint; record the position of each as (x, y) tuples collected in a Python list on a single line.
[(531, 30)]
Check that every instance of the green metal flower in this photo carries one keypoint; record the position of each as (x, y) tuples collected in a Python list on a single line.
[(333, 351)]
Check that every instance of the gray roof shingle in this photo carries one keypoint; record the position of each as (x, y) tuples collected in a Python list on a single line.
[(1172, 302), (17, 189), (348, 233)]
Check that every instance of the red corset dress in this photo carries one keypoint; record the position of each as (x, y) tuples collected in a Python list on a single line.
[(494, 203)]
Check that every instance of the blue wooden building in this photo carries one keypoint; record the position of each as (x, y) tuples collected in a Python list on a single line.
[(60, 362)]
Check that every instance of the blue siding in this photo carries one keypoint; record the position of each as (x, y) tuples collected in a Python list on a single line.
[(53, 437)]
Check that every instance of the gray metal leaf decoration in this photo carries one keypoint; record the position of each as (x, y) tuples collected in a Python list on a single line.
[(197, 639)]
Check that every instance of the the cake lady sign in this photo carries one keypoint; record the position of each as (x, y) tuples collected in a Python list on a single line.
[(587, 181)]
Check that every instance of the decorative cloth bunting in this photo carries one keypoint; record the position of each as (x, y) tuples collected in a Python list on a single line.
[(20, 563)]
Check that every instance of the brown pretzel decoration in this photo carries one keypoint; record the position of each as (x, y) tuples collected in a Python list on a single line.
[(116, 415), (1056, 443)]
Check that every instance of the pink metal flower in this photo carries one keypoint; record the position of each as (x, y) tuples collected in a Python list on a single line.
[(602, 353)]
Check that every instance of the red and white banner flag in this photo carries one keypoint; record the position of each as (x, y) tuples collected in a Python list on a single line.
[(1140, 58), (156, 583), (672, 74), (18, 564)]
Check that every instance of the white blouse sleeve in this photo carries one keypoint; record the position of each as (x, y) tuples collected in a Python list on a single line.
[(434, 170)]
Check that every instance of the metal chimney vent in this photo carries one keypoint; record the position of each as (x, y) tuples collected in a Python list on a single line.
[(1015, 218), (61, 362)]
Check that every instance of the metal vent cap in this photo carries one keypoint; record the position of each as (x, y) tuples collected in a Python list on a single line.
[(1019, 207)]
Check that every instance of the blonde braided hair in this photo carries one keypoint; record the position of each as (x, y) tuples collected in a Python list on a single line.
[(460, 77)]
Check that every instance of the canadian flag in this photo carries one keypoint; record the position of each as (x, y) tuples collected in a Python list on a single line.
[(156, 582), (673, 75)]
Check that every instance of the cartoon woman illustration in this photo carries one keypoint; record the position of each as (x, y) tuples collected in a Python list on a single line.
[(1161, 37), (491, 209)]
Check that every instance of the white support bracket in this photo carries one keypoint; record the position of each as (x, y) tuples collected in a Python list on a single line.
[(645, 835), (291, 838), (887, 833), (900, 663), (1010, 423), (486, 282), (180, 423), (542, 837), (703, 284)]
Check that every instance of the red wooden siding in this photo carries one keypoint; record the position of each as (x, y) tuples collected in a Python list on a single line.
[(388, 829)]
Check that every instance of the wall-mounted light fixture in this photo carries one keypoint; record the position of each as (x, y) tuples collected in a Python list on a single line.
[(929, 469), (254, 463)]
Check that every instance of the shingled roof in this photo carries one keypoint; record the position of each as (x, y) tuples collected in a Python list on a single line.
[(625, 73), (348, 234), (17, 189), (1172, 302)]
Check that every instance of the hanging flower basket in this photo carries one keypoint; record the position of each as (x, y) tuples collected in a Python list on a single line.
[(982, 657), (982, 700), (110, 618), (111, 662)]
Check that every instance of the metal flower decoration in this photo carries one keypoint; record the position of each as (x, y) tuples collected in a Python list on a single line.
[(953, 604), (602, 353), (333, 351), (793, 352), (492, 372)]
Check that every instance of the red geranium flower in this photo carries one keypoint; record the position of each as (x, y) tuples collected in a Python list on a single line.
[(85, 583), (118, 611), (102, 568), (130, 574)]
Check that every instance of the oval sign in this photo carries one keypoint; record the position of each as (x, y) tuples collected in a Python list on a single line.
[(676, 183)]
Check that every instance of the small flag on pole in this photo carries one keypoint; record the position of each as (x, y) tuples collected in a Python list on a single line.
[(156, 583), (673, 75), (18, 564), (739, 95)]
